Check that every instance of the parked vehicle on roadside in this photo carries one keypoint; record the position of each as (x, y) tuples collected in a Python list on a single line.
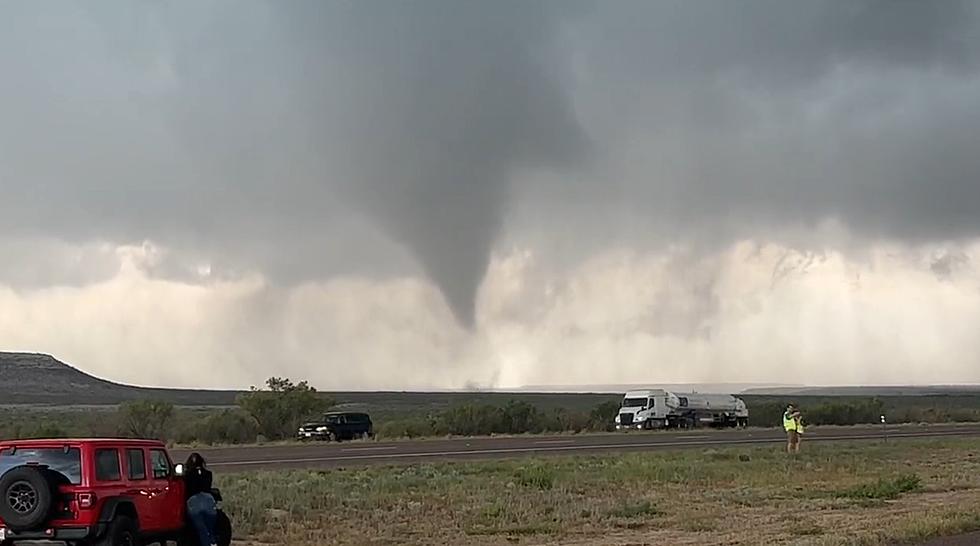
[(657, 408), (97, 492), (338, 426)]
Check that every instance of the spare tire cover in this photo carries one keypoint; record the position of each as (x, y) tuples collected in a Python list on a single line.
[(26, 498)]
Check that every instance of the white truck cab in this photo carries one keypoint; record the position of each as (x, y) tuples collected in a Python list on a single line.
[(645, 409)]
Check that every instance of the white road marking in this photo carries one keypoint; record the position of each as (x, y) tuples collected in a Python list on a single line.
[(545, 449), (368, 448), (553, 442)]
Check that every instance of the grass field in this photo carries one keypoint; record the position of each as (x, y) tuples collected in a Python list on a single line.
[(399, 415), (829, 495)]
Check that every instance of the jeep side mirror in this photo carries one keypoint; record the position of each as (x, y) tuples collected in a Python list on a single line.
[(179, 470)]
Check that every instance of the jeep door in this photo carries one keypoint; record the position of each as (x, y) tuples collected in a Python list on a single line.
[(140, 489), (108, 481), (169, 501)]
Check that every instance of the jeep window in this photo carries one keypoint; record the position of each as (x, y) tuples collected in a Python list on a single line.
[(333, 419), (136, 464), (107, 465), (160, 463), (66, 462), (634, 402)]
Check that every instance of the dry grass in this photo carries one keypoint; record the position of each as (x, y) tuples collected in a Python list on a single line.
[(857, 494)]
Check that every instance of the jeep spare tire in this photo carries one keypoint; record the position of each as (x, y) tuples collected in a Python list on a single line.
[(26, 498)]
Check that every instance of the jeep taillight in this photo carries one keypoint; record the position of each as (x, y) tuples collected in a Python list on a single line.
[(86, 500)]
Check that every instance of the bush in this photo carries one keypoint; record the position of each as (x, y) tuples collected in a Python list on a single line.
[(823, 412), (227, 426), (515, 417), (148, 419), (521, 417), (279, 410), (603, 416), (884, 489), (845, 413), (418, 427), (44, 429), (536, 477), (473, 420), (563, 420)]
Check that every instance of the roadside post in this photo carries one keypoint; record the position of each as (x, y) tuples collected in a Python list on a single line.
[(884, 428)]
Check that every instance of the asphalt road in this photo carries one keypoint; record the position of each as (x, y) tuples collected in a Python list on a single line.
[(345, 454)]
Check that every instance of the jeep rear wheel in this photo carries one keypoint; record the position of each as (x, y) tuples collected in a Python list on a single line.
[(122, 532), (26, 498)]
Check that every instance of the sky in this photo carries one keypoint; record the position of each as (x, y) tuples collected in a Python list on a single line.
[(470, 194)]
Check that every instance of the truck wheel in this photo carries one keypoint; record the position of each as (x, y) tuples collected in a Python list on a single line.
[(26, 498), (122, 532)]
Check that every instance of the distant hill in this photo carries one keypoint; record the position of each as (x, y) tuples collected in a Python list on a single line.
[(40, 379), (28, 378), (894, 390)]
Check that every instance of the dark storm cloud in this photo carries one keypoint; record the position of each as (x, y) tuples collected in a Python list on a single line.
[(305, 139), (748, 115), (258, 119)]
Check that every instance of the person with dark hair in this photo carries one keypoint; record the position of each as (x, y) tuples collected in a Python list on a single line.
[(201, 506)]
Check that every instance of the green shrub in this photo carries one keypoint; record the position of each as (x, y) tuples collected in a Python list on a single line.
[(884, 489), (536, 477)]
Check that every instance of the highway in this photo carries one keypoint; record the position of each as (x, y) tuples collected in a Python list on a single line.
[(346, 454)]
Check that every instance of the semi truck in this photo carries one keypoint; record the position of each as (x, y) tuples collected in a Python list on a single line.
[(658, 409)]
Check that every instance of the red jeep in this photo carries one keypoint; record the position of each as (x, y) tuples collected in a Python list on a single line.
[(94, 493)]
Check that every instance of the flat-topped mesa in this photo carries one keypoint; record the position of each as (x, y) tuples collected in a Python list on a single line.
[(29, 373), (36, 378)]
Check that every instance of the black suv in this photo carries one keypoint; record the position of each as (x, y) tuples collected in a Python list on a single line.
[(337, 426)]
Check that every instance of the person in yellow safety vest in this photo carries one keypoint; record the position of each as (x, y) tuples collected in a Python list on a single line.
[(793, 424)]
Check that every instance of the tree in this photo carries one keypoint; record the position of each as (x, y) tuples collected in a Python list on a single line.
[(280, 408), (148, 419), (602, 416), (228, 426)]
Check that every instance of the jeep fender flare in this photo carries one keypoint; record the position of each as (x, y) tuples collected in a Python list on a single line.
[(118, 506)]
